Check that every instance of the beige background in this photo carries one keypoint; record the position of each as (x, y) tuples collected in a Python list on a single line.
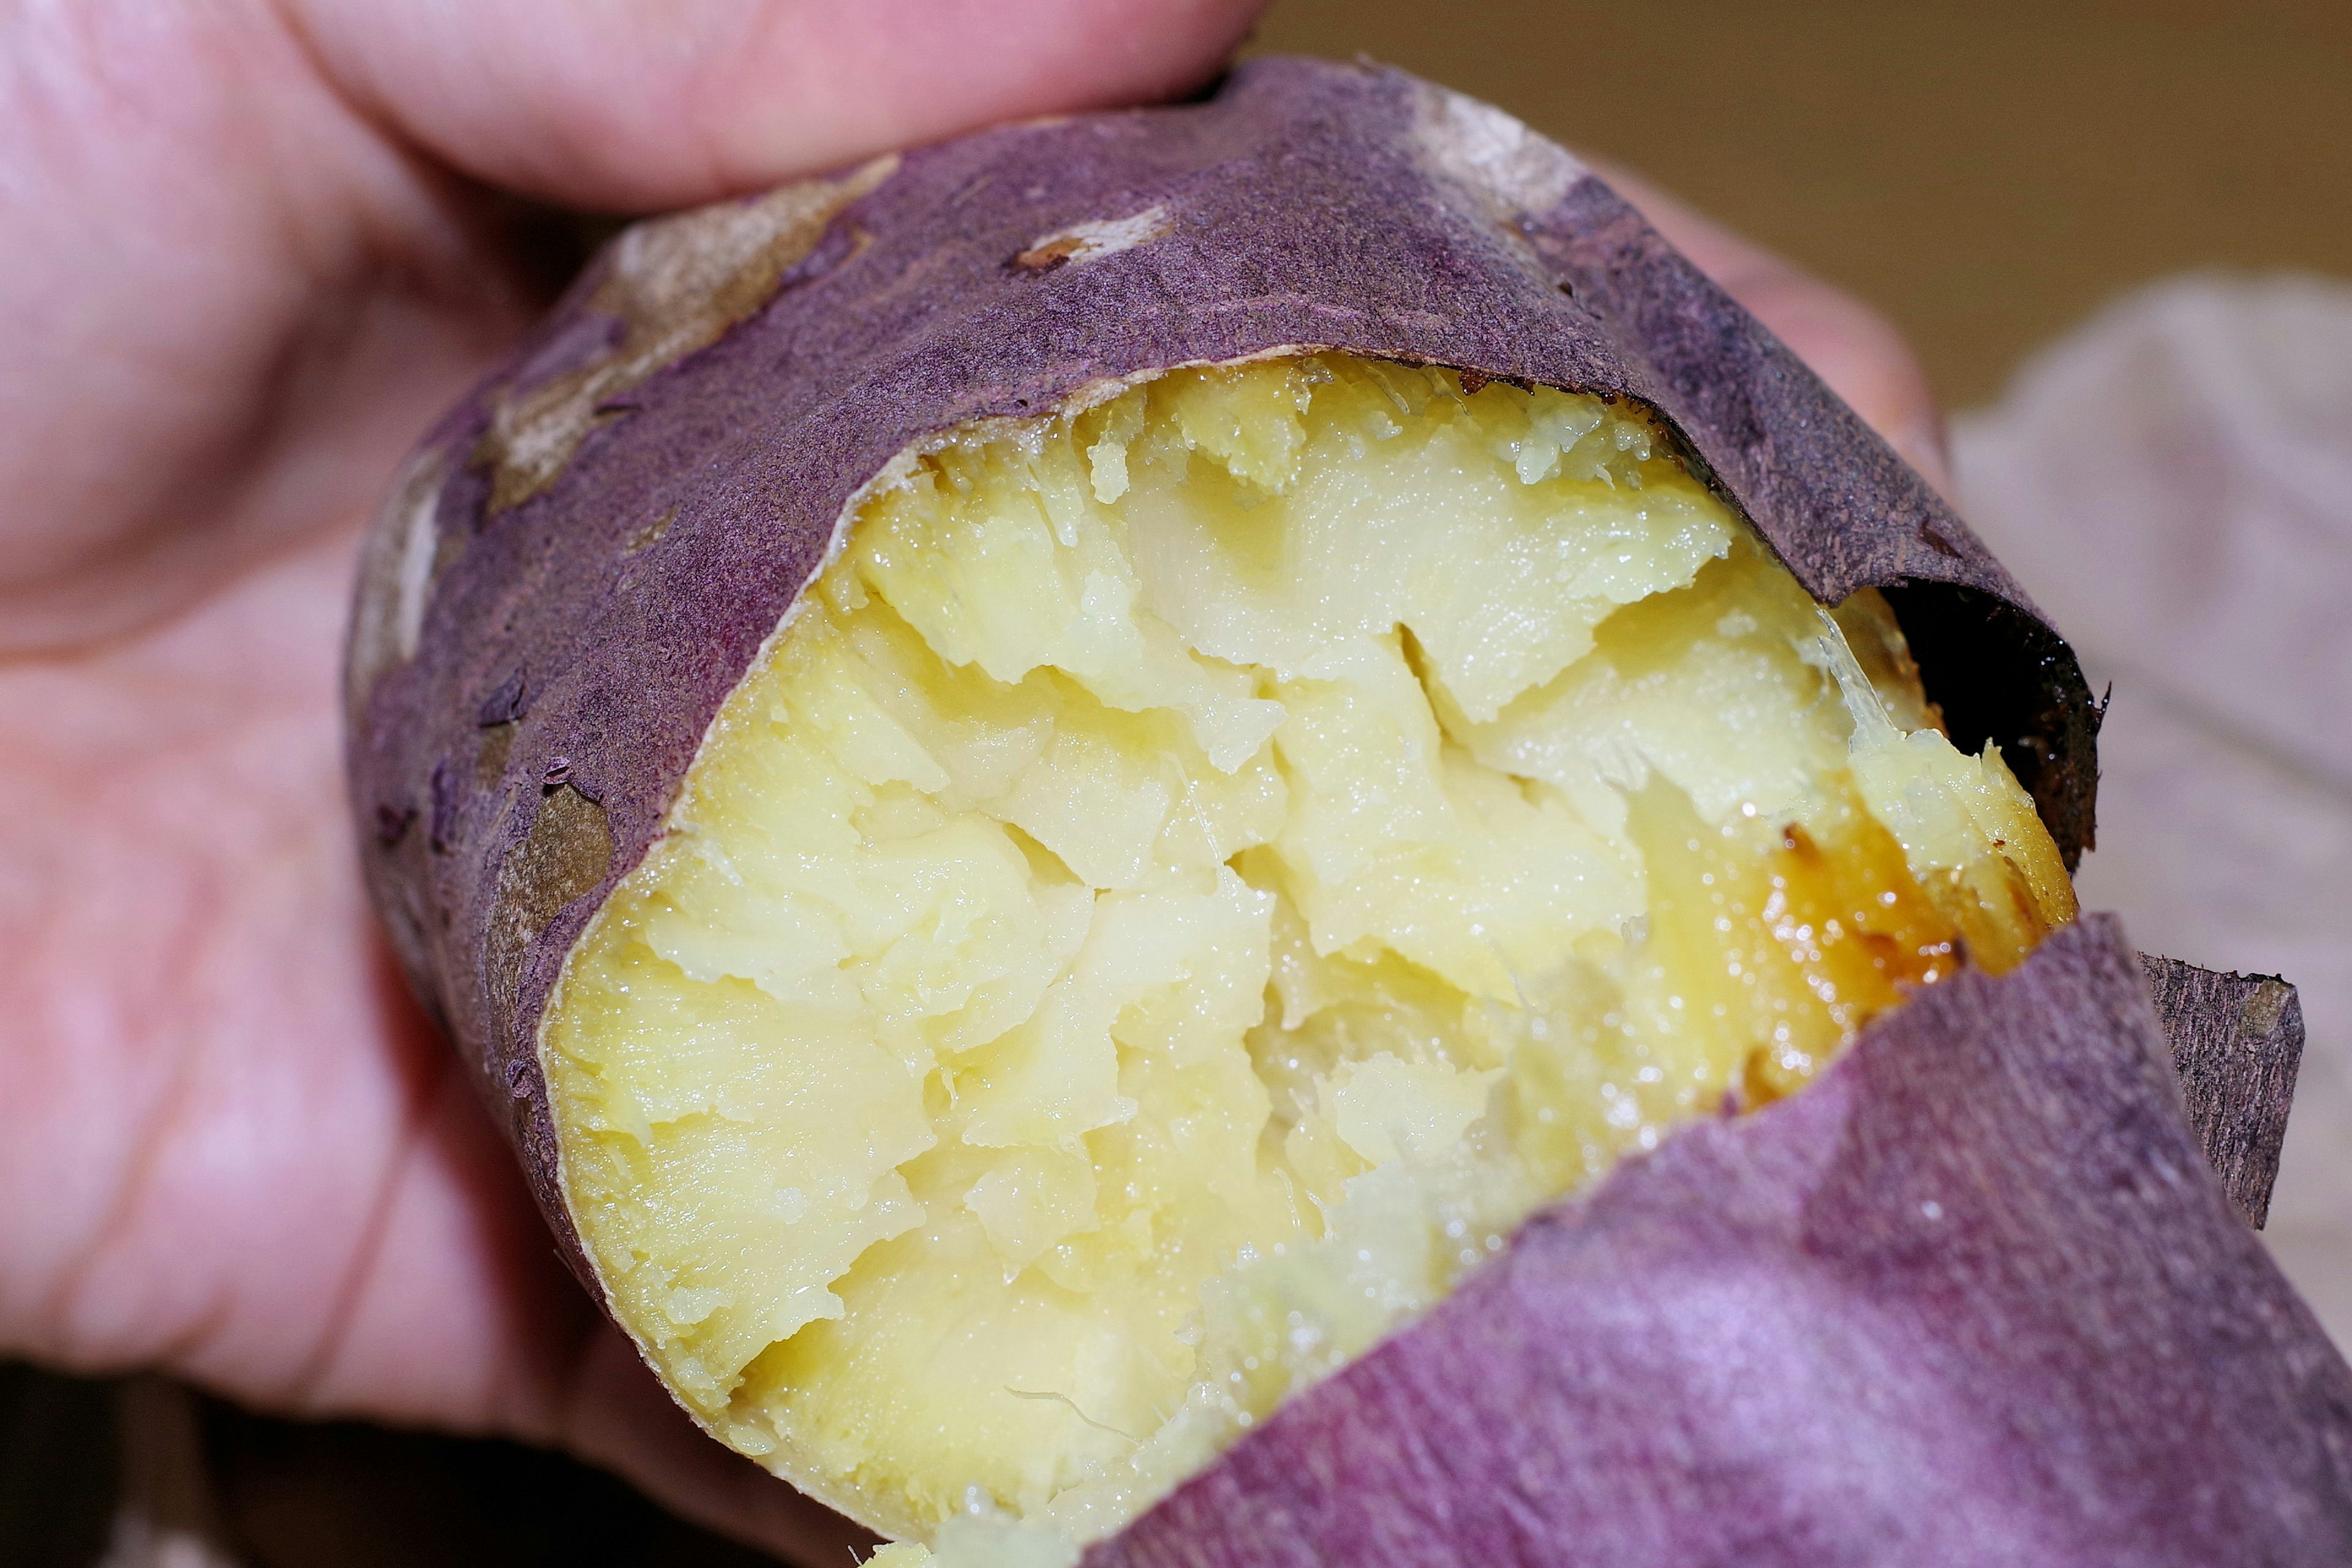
[(1986, 173)]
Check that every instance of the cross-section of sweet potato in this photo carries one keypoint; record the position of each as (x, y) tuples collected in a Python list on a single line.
[(1058, 781)]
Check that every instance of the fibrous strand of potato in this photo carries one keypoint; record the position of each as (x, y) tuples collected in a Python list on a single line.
[(1193, 874)]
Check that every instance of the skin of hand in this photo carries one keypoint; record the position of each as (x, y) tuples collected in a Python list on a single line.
[(255, 247)]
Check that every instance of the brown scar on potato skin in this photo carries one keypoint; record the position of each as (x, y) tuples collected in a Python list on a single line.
[(675, 284), (777, 355), (399, 561), (562, 858)]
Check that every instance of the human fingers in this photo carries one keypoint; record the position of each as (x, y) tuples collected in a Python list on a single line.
[(241, 250), (635, 105), (1849, 345)]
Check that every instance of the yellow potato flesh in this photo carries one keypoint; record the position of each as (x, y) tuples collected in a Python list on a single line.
[(1190, 877)]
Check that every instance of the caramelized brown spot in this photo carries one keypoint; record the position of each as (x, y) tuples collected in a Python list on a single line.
[(400, 562), (1084, 242), (1832, 930)]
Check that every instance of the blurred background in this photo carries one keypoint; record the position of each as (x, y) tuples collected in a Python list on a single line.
[(1986, 175), (2109, 230)]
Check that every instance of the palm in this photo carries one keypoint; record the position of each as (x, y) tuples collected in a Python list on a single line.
[(237, 1149), (242, 1150), (248, 1153), (238, 1121)]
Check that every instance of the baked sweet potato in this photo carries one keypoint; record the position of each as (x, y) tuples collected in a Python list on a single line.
[(1055, 782)]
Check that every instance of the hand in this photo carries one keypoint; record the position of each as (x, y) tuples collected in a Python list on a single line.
[(253, 249)]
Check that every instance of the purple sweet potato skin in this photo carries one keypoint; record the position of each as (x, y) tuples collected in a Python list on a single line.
[(2237, 1042), (1972, 1299), (569, 617)]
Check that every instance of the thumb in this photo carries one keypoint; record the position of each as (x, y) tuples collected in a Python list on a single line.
[(632, 105)]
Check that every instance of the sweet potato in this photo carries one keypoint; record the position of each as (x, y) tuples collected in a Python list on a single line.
[(1054, 781)]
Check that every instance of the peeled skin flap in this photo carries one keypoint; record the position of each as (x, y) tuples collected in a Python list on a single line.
[(2237, 1042), (1971, 1299)]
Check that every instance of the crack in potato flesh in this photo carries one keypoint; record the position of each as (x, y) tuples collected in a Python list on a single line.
[(1194, 873)]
